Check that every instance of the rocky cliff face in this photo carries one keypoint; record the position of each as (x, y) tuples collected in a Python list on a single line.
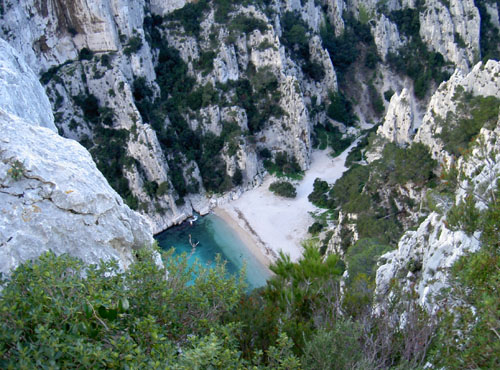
[(52, 195), (145, 84), (420, 265)]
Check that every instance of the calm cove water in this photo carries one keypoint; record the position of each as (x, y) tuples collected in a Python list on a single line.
[(215, 237)]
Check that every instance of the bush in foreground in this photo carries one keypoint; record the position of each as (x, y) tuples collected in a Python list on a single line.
[(51, 315), (283, 188)]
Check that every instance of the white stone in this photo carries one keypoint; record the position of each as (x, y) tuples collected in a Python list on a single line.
[(398, 124), (20, 91), (61, 202)]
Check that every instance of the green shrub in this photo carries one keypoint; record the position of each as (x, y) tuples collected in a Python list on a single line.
[(362, 258), (133, 46), (340, 109), (319, 195), (464, 216), (51, 314), (85, 54), (327, 135), (315, 228), (284, 166), (206, 62), (190, 16), (344, 49), (245, 24), (473, 113), (294, 35), (336, 348), (283, 188)]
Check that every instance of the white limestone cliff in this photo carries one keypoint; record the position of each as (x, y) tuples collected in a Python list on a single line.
[(446, 28), (421, 263), (399, 122), (483, 79), (52, 196), (20, 92)]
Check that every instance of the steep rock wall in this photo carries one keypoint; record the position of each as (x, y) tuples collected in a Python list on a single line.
[(52, 196)]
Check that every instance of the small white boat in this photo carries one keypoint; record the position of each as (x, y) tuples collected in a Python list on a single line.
[(192, 219)]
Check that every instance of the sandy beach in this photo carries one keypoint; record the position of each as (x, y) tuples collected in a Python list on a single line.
[(244, 235), (274, 223)]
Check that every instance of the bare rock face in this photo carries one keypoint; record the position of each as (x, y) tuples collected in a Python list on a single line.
[(386, 36), (398, 125), (422, 260), (20, 92), (52, 196), (453, 31), (483, 79), (423, 257)]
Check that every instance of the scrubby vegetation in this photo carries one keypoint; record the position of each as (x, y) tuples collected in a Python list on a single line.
[(473, 113), (364, 189), (283, 165), (415, 59), (53, 314), (329, 136), (283, 188)]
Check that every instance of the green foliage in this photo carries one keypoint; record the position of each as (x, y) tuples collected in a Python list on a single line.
[(415, 59), (85, 54), (358, 190), (337, 348), (284, 166), (315, 228), (206, 62), (52, 315), (319, 196), (294, 35), (340, 109), (190, 16), (356, 153), (133, 46), (237, 177), (473, 113), (489, 36), (111, 158), (388, 95), (330, 136), (362, 258), (245, 24), (468, 336), (375, 100), (283, 188), (299, 289), (16, 170), (344, 49), (464, 216)]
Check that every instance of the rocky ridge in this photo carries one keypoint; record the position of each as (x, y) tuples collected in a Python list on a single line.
[(52, 195), (100, 49), (420, 265)]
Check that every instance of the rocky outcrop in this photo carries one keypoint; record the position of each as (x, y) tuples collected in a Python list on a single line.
[(52, 197), (423, 259), (386, 36), (399, 122), (421, 263), (20, 92), (483, 79), (452, 30)]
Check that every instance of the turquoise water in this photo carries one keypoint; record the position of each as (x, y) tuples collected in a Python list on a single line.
[(215, 237)]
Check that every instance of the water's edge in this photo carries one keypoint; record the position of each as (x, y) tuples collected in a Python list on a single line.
[(216, 236)]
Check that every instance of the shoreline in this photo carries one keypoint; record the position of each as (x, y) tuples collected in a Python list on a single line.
[(273, 224), (245, 236)]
